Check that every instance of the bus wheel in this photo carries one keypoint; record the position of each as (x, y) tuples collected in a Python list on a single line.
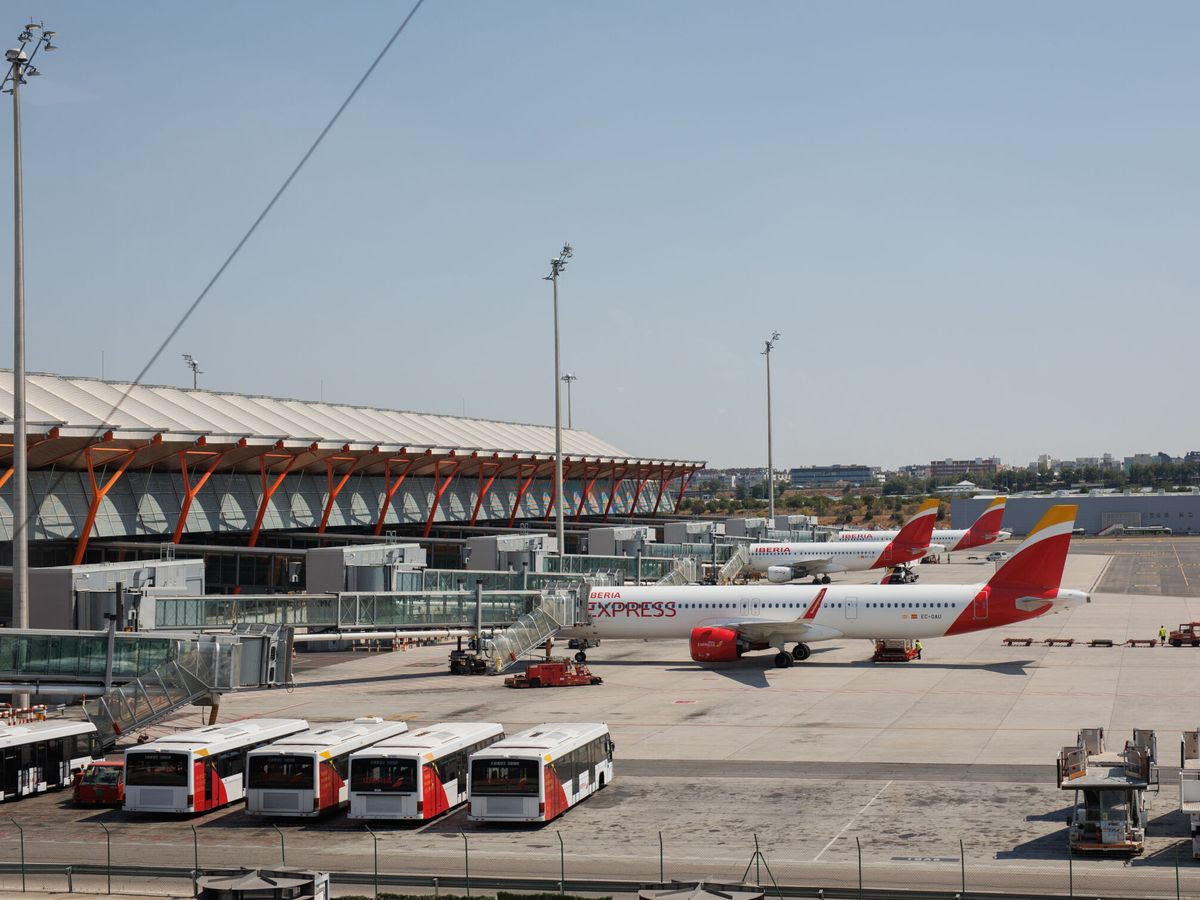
[(601, 787)]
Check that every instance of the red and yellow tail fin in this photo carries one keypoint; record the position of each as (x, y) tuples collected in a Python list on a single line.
[(919, 529), (987, 527), (1037, 566)]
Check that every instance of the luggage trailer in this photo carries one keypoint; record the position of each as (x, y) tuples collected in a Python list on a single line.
[(1110, 791)]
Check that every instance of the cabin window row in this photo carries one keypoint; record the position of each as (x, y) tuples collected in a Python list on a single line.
[(582, 759)]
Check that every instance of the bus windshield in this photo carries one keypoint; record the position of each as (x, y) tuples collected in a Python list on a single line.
[(397, 776), (160, 769), (505, 776), (282, 772)]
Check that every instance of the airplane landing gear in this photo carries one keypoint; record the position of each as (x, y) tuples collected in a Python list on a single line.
[(816, 579), (580, 657), (783, 660), (825, 579), (800, 652)]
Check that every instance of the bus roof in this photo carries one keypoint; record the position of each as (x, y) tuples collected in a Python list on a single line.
[(30, 732), (549, 737), (334, 740), (217, 738), (435, 737)]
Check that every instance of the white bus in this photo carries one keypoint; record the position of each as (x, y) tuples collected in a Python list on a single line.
[(417, 775), (539, 774), (38, 756), (306, 774), (199, 770)]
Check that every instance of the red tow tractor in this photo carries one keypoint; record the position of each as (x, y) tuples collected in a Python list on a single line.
[(554, 673)]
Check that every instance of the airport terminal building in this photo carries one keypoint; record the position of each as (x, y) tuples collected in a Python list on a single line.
[(112, 460)]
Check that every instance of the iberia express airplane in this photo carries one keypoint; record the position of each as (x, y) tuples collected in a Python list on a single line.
[(722, 623), (985, 530)]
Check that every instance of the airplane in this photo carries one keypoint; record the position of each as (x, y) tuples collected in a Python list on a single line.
[(985, 530), (722, 623), (784, 562)]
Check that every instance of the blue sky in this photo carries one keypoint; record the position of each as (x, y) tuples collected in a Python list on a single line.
[(974, 224)]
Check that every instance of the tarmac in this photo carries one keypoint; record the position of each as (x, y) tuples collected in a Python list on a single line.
[(821, 761)]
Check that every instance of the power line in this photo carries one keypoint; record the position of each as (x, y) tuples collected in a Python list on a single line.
[(195, 304)]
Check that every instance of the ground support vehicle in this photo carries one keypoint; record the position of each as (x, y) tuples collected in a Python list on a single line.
[(101, 784), (195, 771), (895, 651), (1187, 633), (539, 774), (42, 755), (419, 774), (554, 673), (1110, 791), (308, 773)]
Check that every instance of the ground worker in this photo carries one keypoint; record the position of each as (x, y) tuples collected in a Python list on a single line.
[(919, 647), (1162, 635)]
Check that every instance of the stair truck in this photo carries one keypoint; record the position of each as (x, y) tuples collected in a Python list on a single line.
[(1110, 791)]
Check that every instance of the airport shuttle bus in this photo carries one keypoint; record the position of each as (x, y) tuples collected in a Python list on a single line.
[(539, 774), (307, 774), (417, 775), (38, 756), (195, 771)]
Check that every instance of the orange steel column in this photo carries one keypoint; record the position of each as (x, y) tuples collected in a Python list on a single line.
[(684, 481), (100, 491), (663, 481), (438, 491), (614, 485), (587, 491), (269, 490), (334, 490), (482, 491), (522, 487), (190, 491), (390, 488), (642, 479), (4, 478)]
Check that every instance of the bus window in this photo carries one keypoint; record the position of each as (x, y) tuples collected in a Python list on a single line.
[(397, 776), (280, 772), (504, 776), (159, 769)]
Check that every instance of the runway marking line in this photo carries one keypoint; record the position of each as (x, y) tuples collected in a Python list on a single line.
[(1179, 562), (853, 819)]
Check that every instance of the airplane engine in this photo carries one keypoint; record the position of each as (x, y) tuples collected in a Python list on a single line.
[(716, 645), (781, 574)]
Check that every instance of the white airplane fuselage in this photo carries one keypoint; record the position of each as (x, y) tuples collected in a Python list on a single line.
[(851, 611)]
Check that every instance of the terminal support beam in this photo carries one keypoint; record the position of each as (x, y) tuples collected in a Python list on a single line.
[(684, 481), (390, 487), (440, 489), (525, 482), (587, 491), (614, 485), (189, 490), (268, 490), (334, 489), (663, 481), (642, 479), (99, 491), (483, 489)]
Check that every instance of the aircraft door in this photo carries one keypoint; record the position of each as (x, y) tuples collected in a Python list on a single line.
[(979, 606), (851, 607)]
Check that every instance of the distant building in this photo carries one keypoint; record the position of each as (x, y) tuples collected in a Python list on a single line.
[(919, 470), (1178, 511), (954, 467), (831, 476)]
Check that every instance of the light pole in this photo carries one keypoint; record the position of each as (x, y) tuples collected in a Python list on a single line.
[(556, 266), (194, 364), (770, 345), (20, 67), (568, 377)]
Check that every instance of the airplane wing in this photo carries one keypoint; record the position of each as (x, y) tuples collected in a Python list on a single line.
[(760, 630)]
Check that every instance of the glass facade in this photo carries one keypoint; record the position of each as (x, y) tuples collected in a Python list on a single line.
[(80, 655)]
